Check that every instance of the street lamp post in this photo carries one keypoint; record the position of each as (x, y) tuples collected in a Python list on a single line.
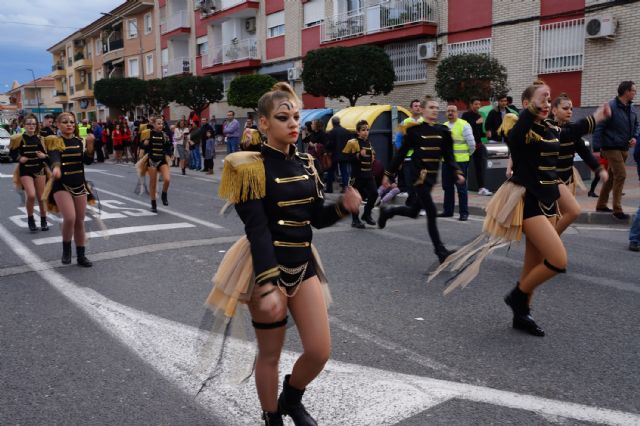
[(33, 74)]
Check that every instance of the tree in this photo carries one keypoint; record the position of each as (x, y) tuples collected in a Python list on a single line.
[(462, 77), (349, 72), (245, 90), (123, 94), (159, 93), (196, 92)]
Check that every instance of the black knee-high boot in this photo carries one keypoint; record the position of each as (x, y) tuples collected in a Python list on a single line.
[(44, 226), (522, 319), (66, 252), (32, 224), (82, 259), (154, 206), (165, 201), (290, 404), (272, 419)]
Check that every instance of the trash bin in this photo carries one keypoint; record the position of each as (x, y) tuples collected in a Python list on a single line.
[(383, 122), (495, 175)]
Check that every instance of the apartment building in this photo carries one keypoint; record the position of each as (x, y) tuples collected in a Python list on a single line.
[(122, 43), (34, 97)]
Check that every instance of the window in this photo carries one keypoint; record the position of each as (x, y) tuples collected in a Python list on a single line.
[(164, 53), (148, 64), (226, 82), (559, 47), (148, 23), (313, 12), (480, 46), (202, 46), (98, 46), (406, 64), (275, 24), (132, 28), (133, 67)]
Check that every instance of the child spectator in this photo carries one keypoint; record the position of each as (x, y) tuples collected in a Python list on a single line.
[(209, 152)]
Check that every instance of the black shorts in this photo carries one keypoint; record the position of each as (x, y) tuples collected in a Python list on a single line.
[(309, 273), (533, 207)]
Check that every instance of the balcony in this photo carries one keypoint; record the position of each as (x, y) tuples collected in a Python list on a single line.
[(112, 45), (183, 65), (177, 21), (82, 63), (60, 97), (31, 102), (57, 69), (212, 10), (81, 91), (379, 18), (238, 54)]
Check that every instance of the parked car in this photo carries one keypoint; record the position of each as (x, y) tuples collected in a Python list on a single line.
[(4, 145)]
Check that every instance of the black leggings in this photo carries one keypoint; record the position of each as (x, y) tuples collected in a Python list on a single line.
[(422, 200), (366, 187)]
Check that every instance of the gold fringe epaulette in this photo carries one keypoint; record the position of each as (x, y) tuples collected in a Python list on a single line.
[(508, 122), (352, 147), (406, 126), (243, 177), (15, 141), (54, 143), (251, 137), (145, 134)]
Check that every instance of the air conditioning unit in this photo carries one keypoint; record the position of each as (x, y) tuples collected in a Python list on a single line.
[(427, 51), (601, 26), (293, 74), (250, 25), (207, 7)]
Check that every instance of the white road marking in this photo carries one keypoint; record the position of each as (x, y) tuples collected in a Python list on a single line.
[(120, 231), (104, 172), (600, 228), (343, 394), (2, 175), (165, 210)]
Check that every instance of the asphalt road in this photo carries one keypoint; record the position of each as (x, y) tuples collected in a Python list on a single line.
[(118, 343)]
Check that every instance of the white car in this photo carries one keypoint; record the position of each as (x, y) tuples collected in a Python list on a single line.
[(4, 145)]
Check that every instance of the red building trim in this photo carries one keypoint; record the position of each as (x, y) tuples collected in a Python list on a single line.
[(312, 102), (228, 12), (465, 14), (176, 32), (548, 8), (201, 27), (567, 82), (412, 31), (275, 47), (310, 39), (162, 3), (273, 6), (233, 66), (199, 65)]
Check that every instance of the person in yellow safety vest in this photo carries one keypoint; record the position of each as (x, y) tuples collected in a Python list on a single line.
[(83, 129), (463, 146), (416, 107)]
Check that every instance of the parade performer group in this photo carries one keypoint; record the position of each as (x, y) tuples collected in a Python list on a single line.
[(278, 194), (158, 150)]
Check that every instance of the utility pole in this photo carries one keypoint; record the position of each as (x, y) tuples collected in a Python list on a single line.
[(37, 94)]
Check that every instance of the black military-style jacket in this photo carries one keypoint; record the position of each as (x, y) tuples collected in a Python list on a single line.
[(430, 144), (71, 161), (46, 131), (29, 147), (361, 164), (278, 225), (535, 150), (569, 148), (159, 146)]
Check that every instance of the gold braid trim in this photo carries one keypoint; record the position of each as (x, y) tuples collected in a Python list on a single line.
[(508, 122), (54, 143), (243, 177)]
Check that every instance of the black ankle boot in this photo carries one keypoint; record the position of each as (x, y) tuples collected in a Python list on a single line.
[(368, 219), (66, 252), (357, 224), (165, 201), (44, 226), (386, 213), (32, 224), (154, 206), (272, 419), (442, 252), (289, 404), (82, 259), (183, 172), (518, 301)]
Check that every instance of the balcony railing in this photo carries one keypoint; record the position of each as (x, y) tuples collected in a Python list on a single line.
[(58, 66), (30, 102), (231, 52), (175, 21), (378, 17), (60, 93), (181, 65), (209, 7), (112, 45)]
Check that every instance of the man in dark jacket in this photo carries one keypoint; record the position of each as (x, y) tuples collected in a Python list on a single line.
[(614, 137), (494, 119), (337, 138)]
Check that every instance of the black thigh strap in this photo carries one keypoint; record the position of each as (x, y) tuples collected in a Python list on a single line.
[(554, 268), (270, 325)]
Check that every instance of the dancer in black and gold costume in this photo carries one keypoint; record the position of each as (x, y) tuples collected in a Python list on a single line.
[(562, 110), (158, 150), (279, 196), (31, 173), (68, 191), (430, 143)]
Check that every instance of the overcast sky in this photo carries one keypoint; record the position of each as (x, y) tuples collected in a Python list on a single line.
[(30, 27)]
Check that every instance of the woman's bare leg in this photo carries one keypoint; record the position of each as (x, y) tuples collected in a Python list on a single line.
[(28, 186), (153, 182), (569, 208), (65, 204), (166, 177), (80, 204), (40, 183)]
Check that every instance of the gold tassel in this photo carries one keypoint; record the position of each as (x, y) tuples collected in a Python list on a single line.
[(16, 179), (402, 128), (141, 165), (54, 143), (243, 177), (508, 122), (145, 134), (51, 205), (16, 140), (577, 182), (352, 147)]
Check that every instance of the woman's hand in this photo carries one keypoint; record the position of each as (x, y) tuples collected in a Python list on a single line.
[(267, 299), (363, 152), (603, 112), (604, 176), (41, 155), (57, 174), (351, 200), (23, 159)]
